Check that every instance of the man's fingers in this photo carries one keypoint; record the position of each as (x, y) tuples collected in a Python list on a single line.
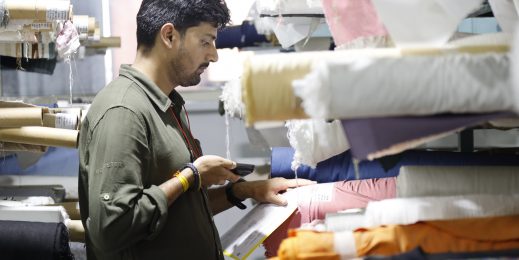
[(293, 183), (228, 164), (278, 200)]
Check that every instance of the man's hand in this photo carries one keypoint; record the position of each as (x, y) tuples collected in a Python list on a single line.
[(268, 190)]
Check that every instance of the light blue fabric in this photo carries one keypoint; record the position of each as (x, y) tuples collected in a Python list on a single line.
[(55, 162)]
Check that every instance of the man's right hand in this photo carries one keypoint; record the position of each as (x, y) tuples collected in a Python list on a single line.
[(215, 170)]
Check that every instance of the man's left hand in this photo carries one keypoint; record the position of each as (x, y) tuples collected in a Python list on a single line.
[(267, 191)]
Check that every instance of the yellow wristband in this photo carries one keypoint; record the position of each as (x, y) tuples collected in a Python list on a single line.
[(183, 180)]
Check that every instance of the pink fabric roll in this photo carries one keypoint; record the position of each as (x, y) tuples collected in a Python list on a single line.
[(352, 19), (345, 195)]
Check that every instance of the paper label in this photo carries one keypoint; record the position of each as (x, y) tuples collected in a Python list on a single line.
[(66, 121), (41, 26), (57, 10)]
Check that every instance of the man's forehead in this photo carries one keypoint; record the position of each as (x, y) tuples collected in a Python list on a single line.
[(204, 29)]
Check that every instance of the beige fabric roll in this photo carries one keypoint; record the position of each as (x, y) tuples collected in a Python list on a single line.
[(421, 181), (16, 147), (17, 117), (40, 136), (267, 79)]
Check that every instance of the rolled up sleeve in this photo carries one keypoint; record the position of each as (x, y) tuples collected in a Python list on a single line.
[(122, 208)]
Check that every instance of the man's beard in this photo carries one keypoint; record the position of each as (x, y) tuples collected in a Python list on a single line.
[(188, 80)]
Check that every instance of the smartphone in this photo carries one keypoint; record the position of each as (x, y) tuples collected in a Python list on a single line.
[(243, 169)]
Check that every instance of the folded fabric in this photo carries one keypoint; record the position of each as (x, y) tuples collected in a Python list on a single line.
[(464, 235), (306, 244), (351, 21), (403, 211), (317, 200), (422, 181), (34, 240), (340, 167)]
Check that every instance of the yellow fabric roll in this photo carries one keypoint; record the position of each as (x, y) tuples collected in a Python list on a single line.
[(40, 136)]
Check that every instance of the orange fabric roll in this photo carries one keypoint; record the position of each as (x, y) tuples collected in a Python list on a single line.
[(445, 236), (308, 245)]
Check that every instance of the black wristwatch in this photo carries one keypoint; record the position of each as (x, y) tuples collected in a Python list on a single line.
[(232, 198)]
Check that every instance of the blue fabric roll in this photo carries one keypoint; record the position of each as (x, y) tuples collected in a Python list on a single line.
[(34, 240), (241, 36), (340, 167)]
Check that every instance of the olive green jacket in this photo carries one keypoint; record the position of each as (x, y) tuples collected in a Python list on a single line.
[(130, 143)]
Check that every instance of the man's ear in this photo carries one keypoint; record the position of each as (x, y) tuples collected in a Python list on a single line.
[(168, 35)]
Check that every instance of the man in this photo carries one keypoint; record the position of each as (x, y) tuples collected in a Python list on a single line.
[(138, 198)]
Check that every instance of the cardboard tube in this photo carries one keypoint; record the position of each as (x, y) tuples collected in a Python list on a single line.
[(27, 10), (91, 25), (40, 136), (106, 42), (17, 117)]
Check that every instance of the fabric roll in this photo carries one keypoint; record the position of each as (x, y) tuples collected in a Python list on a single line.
[(341, 167), (506, 14), (34, 240), (422, 181), (462, 235), (306, 244), (419, 254), (351, 21), (317, 200), (433, 237), (244, 35), (372, 138), (40, 136), (315, 140), (348, 89), (404, 211), (423, 22)]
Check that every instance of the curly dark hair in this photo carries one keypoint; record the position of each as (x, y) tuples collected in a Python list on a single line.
[(183, 14)]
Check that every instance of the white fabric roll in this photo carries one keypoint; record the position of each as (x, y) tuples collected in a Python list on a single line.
[(373, 87), (315, 141), (505, 13), (405, 211), (423, 181)]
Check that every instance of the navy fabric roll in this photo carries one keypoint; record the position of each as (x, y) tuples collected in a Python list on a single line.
[(340, 167), (34, 240), (244, 35)]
